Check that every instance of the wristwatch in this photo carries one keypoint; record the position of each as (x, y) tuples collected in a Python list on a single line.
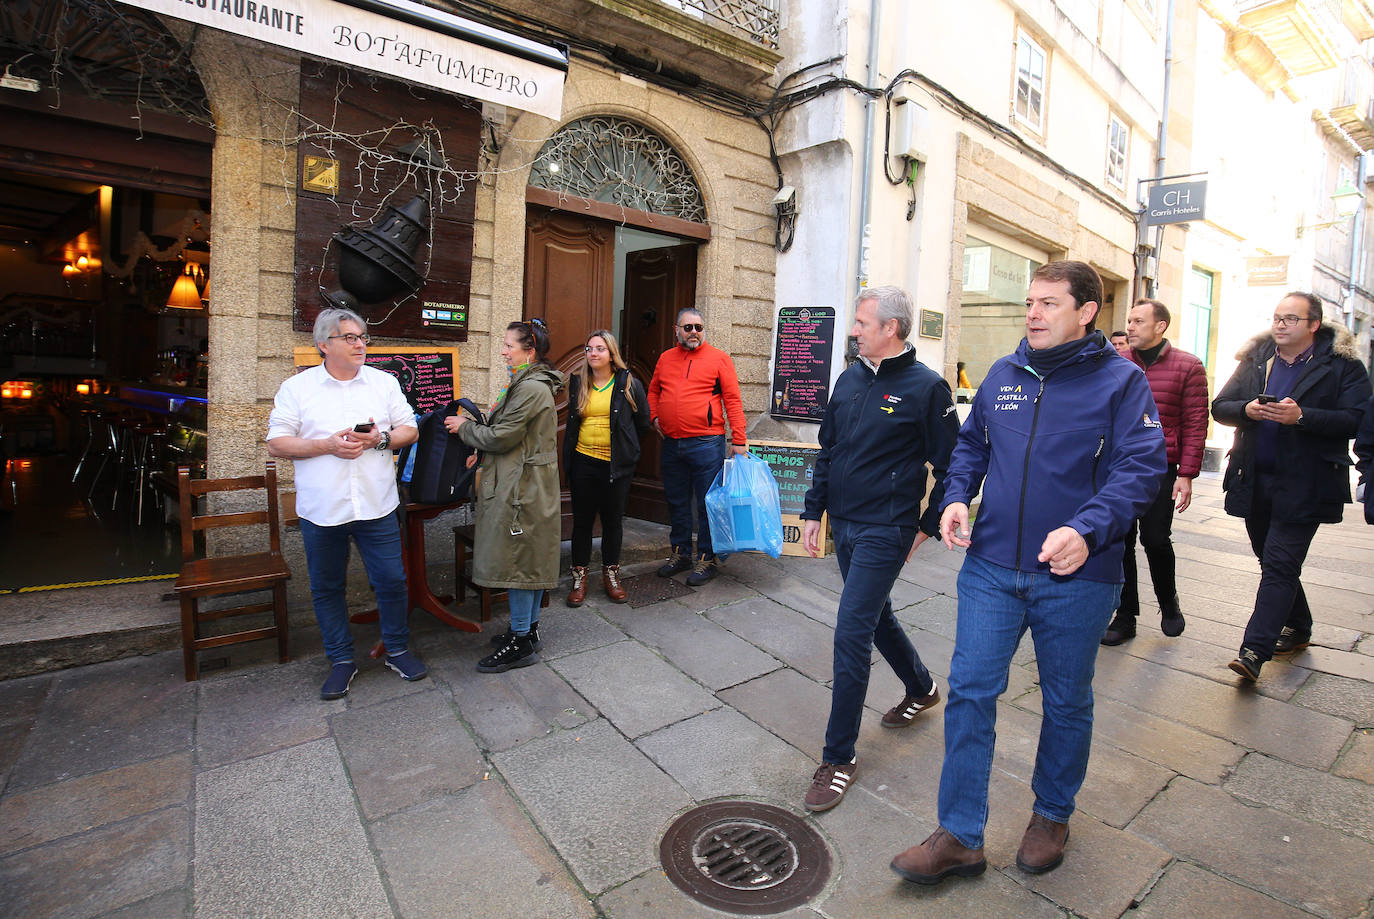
[(385, 442)]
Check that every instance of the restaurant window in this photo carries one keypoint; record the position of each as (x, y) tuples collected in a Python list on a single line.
[(992, 304), (1029, 103)]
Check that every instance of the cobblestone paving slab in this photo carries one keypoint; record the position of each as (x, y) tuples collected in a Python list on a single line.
[(793, 638), (704, 755), (1281, 679), (172, 904), (503, 868), (1297, 862), (653, 895), (508, 709), (568, 630), (50, 812), (1357, 762), (279, 836), (105, 716), (1187, 890), (98, 871), (787, 704), (633, 688), (710, 654), (600, 801), (248, 714), (1232, 713), (1339, 803), (406, 751)]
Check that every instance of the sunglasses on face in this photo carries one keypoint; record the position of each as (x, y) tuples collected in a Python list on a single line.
[(693, 327)]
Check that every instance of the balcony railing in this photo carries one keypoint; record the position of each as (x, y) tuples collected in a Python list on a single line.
[(756, 18), (1353, 107)]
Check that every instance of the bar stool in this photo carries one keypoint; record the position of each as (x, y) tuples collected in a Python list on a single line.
[(145, 451), (109, 448), (94, 426), (124, 456)]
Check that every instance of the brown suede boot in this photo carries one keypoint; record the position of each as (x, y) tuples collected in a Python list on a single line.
[(610, 582), (938, 857), (1042, 848), (579, 587)]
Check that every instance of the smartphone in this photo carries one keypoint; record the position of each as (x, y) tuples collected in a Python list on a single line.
[(1264, 398), (364, 428)]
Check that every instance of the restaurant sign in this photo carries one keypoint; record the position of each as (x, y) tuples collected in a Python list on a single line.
[(397, 38)]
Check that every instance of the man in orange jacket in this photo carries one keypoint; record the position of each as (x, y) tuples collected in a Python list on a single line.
[(693, 390)]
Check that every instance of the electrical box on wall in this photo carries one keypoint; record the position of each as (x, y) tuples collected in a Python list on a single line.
[(910, 124)]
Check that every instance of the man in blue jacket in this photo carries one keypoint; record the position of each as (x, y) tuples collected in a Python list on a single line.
[(888, 416), (1065, 441)]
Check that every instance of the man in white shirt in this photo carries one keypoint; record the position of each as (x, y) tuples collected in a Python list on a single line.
[(339, 422)]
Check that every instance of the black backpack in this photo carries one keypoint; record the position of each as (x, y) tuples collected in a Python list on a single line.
[(435, 466)]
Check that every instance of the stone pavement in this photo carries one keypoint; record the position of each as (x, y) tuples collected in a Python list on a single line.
[(543, 792)]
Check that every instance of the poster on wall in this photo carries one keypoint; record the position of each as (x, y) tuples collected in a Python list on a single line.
[(801, 362)]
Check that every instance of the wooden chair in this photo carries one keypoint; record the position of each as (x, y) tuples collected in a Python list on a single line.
[(208, 577)]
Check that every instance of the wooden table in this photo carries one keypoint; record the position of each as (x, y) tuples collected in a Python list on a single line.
[(419, 594)]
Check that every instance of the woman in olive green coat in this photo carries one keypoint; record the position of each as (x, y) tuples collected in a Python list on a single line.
[(518, 527)]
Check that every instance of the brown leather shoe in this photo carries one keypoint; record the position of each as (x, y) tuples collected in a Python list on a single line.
[(579, 587), (610, 582), (1042, 848), (938, 857)]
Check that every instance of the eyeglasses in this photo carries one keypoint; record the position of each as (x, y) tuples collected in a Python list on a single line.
[(1290, 321), (351, 338), (597, 349), (692, 327)]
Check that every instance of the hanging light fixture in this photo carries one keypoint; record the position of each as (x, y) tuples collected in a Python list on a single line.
[(184, 295)]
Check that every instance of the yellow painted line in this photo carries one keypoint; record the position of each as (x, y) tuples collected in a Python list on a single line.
[(105, 582)]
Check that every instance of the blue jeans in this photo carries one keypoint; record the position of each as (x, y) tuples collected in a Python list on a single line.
[(1066, 617), (524, 609), (326, 557), (870, 556), (690, 465)]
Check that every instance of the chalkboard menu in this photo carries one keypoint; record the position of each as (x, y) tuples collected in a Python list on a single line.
[(801, 362), (792, 465), (428, 376)]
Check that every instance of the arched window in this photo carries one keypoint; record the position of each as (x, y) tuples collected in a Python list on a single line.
[(615, 161)]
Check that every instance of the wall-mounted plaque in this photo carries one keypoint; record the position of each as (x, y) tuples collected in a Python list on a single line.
[(932, 324)]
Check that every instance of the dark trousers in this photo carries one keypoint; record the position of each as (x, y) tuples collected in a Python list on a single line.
[(870, 557), (593, 495), (1156, 527), (690, 465), (1281, 547)]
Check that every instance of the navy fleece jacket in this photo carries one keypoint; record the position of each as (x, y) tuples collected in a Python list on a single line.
[(1082, 447)]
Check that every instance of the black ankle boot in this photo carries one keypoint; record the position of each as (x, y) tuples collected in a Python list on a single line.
[(1122, 629), (518, 652), (1171, 618), (500, 641)]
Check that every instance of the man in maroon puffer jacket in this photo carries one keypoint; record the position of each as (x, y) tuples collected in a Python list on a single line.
[(1179, 383)]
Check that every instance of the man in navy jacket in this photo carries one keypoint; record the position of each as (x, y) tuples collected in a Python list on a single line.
[(888, 416), (1065, 442)]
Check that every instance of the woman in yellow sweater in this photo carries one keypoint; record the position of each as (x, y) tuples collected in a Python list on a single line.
[(608, 411)]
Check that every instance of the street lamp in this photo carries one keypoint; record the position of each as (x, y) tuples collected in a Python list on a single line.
[(1347, 201)]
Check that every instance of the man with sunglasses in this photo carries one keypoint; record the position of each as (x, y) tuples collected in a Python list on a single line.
[(693, 390), (338, 422), (1295, 401)]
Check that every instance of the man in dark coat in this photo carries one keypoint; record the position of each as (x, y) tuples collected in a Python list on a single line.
[(1178, 382), (1295, 401)]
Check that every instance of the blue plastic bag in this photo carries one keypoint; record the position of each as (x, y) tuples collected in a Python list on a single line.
[(743, 508)]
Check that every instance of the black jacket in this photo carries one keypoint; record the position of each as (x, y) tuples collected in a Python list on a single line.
[(627, 425), (1364, 459), (878, 433), (1313, 484)]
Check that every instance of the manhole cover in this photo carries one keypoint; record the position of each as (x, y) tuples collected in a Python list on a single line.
[(745, 857), (643, 591)]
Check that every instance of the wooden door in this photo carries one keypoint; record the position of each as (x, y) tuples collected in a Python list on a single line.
[(570, 284), (658, 283)]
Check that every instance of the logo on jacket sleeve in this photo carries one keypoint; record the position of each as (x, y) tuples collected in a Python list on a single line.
[(1149, 423)]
